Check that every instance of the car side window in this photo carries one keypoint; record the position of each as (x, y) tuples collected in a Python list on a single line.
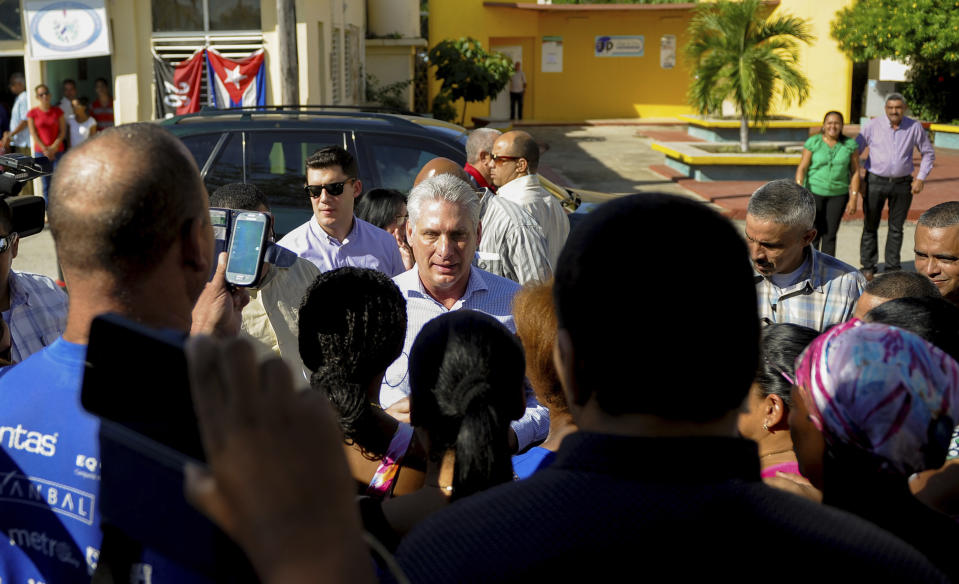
[(276, 162), (395, 161), (201, 146), (227, 166)]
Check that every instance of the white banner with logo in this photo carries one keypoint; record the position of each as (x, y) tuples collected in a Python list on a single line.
[(67, 29)]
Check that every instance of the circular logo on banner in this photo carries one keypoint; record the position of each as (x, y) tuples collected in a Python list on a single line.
[(66, 26)]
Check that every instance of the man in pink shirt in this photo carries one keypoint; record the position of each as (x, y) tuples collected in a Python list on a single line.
[(891, 139)]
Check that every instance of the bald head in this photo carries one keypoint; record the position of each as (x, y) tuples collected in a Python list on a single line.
[(519, 143), (441, 166), (119, 201)]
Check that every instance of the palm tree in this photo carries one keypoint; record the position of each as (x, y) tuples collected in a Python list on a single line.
[(738, 53)]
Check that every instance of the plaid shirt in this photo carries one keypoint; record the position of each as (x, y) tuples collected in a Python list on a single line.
[(825, 295), (37, 314)]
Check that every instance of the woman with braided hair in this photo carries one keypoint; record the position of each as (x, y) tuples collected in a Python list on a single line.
[(466, 386), (352, 326)]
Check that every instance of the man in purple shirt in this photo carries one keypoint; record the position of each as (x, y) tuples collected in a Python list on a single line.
[(891, 140), (333, 237)]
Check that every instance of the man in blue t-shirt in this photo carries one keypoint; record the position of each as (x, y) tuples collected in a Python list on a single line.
[(133, 239)]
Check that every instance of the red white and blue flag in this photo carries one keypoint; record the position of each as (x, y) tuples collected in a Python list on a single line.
[(236, 83)]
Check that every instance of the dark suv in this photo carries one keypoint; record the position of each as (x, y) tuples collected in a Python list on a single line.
[(268, 147)]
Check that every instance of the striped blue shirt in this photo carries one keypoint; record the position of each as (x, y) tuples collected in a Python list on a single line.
[(485, 292), (37, 314), (825, 294)]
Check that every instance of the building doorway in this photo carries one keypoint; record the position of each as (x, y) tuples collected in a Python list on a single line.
[(84, 72), (499, 107)]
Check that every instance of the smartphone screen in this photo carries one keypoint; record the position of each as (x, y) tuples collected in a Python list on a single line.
[(246, 248)]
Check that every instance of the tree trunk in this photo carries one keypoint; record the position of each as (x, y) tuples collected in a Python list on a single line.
[(743, 133), (463, 119), (289, 69)]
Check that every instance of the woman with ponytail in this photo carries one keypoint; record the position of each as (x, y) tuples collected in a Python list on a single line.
[(352, 326), (466, 386)]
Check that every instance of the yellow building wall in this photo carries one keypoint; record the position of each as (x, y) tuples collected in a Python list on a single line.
[(829, 71), (131, 23), (626, 87)]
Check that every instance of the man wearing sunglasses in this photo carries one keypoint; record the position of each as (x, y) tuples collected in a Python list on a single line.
[(33, 306), (513, 166), (334, 237)]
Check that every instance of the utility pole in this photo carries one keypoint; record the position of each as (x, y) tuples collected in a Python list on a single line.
[(289, 68)]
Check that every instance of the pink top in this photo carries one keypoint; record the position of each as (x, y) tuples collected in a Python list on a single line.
[(786, 467)]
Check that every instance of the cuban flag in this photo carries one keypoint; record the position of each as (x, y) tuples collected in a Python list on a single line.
[(236, 83)]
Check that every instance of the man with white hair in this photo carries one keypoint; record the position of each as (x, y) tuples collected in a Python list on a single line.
[(795, 283), (443, 230), (479, 148)]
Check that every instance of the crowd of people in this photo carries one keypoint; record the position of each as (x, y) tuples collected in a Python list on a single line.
[(451, 385)]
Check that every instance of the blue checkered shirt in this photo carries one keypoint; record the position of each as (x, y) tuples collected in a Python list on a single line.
[(825, 294), (37, 314), (485, 292)]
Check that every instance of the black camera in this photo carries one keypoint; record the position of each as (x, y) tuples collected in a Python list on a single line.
[(27, 212)]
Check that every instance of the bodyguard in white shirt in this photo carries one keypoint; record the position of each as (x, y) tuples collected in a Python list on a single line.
[(513, 166)]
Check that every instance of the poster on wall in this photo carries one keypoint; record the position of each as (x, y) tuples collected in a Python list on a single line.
[(667, 51), (67, 29), (177, 87), (619, 46), (552, 54)]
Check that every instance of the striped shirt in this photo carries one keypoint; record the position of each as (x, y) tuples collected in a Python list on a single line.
[(512, 243), (485, 292), (37, 314), (825, 294), (529, 194)]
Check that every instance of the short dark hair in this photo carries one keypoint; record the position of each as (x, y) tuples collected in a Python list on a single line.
[(242, 196), (83, 100), (70, 81), (934, 319), (352, 325), (606, 251), (140, 210), (333, 156), (902, 285), (466, 385), (942, 215), (779, 345), (379, 206), (525, 146)]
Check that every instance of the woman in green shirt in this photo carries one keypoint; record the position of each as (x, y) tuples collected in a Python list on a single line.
[(830, 170)]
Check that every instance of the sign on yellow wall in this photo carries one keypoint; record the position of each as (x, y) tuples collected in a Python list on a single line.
[(619, 46)]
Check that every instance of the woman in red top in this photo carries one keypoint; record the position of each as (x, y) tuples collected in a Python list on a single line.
[(102, 108), (48, 127)]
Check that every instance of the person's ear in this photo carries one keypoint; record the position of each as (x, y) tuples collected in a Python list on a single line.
[(564, 359), (522, 166), (15, 248), (357, 188), (197, 251), (808, 237), (774, 412), (409, 230)]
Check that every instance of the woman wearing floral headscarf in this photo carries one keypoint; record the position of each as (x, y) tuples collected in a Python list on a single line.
[(874, 404)]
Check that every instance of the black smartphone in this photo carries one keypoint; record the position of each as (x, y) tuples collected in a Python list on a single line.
[(248, 242), (136, 380)]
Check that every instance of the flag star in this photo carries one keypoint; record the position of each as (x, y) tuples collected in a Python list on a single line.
[(233, 76)]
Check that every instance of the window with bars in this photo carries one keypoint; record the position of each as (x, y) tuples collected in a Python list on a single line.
[(205, 15), (335, 71)]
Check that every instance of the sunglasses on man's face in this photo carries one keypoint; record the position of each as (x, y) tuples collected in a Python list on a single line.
[(332, 189), (7, 242), (497, 158)]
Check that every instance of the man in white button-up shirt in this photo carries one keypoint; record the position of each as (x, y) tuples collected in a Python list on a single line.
[(443, 230), (513, 166)]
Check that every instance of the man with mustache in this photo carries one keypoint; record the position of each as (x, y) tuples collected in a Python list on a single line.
[(794, 282)]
